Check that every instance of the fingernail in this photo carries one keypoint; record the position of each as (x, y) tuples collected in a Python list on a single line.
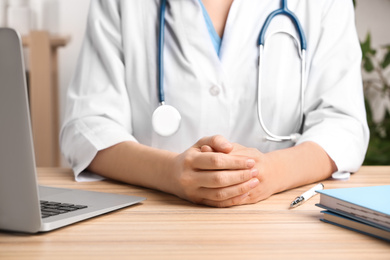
[(254, 172), (250, 163), (254, 183), (226, 145)]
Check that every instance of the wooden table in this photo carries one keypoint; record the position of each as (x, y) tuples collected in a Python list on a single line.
[(166, 227)]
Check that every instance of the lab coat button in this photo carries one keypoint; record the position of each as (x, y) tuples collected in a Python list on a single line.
[(215, 90)]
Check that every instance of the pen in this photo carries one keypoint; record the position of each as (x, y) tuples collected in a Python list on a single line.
[(307, 195)]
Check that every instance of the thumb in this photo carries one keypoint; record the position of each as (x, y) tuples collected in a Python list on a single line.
[(216, 143)]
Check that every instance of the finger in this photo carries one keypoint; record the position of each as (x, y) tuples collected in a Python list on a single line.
[(220, 161), (227, 203), (206, 149), (228, 193), (217, 143), (221, 179)]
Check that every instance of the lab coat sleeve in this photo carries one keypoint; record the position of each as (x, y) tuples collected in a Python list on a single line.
[(97, 104), (335, 111)]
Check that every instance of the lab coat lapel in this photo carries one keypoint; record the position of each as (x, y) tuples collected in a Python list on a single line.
[(199, 45)]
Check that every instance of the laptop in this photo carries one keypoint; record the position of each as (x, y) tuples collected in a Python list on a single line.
[(24, 205)]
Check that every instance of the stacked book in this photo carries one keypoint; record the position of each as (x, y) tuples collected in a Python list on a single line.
[(362, 209)]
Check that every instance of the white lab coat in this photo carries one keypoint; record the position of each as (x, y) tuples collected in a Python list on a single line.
[(114, 91)]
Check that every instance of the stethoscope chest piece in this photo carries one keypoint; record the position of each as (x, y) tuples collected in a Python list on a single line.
[(166, 120)]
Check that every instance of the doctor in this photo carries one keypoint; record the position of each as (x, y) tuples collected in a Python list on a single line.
[(228, 141)]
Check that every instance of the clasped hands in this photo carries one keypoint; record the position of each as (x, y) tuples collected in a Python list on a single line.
[(218, 173)]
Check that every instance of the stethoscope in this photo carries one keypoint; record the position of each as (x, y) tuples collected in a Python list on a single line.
[(166, 119)]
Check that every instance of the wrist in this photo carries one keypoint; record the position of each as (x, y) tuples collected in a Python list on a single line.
[(272, 168), (166, 170), (299, 165)]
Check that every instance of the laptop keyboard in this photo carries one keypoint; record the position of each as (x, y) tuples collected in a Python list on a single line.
[(51, 208)]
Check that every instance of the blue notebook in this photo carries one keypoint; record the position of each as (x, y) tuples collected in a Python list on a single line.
[(351, 224), (369, 205)]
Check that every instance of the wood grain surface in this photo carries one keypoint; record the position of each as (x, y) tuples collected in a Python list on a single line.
[(166, 227)]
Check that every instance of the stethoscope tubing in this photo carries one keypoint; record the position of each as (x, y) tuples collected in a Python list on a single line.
[(271, 136), (166, 119), (283, 11), (161, 95), (302, 54)]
